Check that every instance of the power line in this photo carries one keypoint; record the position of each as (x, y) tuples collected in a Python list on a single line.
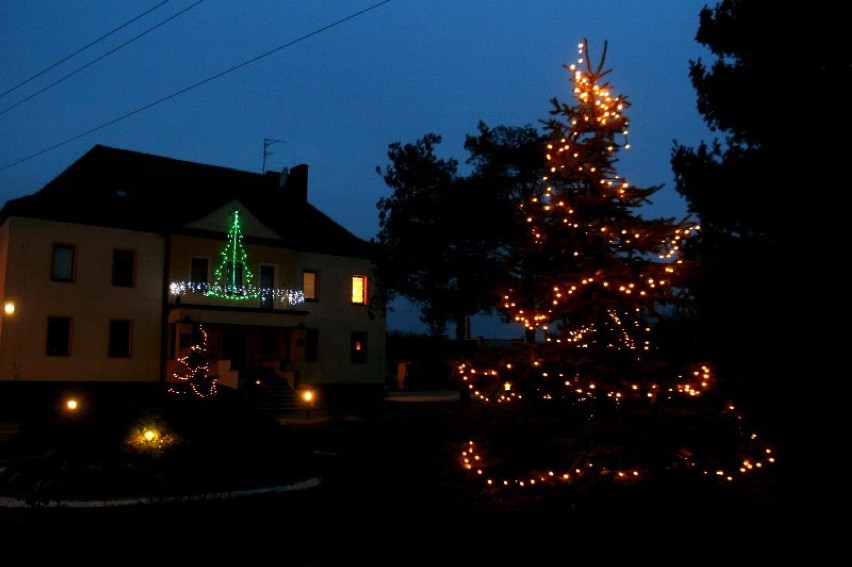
[(63, 60), (198, 84), (105, 55)]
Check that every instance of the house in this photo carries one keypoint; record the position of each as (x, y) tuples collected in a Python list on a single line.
[(119, 266)]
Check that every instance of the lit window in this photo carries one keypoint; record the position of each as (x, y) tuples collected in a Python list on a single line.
[(359, 290), (63, 263), (358, 347), (310, 281)]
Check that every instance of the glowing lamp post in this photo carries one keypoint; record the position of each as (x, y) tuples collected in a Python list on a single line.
[(308, 396)]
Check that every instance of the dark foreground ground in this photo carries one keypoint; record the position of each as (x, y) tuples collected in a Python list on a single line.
[(391, 493)]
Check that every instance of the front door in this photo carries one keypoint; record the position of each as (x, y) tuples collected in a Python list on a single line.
[(235, 349)]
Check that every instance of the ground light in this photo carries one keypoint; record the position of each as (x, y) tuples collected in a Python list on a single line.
[(308, 396)]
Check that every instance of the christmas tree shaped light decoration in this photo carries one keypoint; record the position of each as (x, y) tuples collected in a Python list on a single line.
[(195, 373), (233, 279)]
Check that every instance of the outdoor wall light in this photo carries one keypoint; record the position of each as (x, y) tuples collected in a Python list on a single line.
[(9, 308), (71, 404)]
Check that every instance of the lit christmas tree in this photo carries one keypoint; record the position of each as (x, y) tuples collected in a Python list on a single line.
[(597, 271), (232, 279), (590, 394), (195, 372)]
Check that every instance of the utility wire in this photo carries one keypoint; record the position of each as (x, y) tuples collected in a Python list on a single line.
[(199, 83), (105, 55), (103, 37)]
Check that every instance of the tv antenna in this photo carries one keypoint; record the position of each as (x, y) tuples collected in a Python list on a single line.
[(266, 153)]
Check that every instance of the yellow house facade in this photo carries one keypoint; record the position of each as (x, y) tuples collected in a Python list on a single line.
[(112, 276)]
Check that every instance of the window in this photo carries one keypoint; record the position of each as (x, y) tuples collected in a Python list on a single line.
[(234, 279), (198, 269), (119, 339), (123, 262), (359, 290), (310, 285), (358, 348), (267, 286), (311, 345), (58, 336), (63, 263)]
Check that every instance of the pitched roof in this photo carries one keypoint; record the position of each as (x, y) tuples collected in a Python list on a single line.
[(126, 189)]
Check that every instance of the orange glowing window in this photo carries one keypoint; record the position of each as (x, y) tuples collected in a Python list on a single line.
[(310, 285), (359, 290)]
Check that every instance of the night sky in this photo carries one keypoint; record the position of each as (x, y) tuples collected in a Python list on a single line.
[(333, 83)]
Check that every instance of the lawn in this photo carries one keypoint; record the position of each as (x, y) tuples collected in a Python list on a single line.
[(391, 491)]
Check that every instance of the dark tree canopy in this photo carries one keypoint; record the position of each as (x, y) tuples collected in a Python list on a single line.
[(766, 192), (444, 237)]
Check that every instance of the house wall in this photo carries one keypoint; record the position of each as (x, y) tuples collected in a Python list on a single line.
[(183, 248), (91, 301), (336, 318)]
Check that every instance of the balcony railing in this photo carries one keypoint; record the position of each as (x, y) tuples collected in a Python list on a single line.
[(265, 296)]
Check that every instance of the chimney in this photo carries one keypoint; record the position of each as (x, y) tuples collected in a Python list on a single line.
[(294, 183)]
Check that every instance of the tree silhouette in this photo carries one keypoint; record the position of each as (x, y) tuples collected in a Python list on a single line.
[(764, 193), (444, 237)]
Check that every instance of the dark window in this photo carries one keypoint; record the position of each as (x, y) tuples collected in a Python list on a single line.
[(358, 348), (198, 270), (58, 336), (234, 278), (123, 262), (267, 286), (63, 263), (311, 345), (119, 339)]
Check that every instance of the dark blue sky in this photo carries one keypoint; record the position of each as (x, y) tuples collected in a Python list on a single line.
[(335, 96)]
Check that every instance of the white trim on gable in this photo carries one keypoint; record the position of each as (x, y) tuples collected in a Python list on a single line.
[(219, 221)]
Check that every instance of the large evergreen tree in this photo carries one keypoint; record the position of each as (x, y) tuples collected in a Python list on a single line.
[(589, 396), (594, 272), (764, 193)]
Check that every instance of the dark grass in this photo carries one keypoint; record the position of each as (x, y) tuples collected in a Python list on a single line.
[(392, 492)]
